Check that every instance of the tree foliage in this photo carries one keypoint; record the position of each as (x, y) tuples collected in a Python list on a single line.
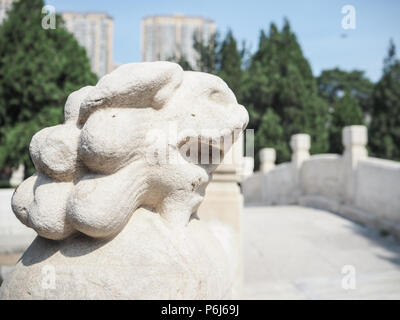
[(230, 63), (207, 51), (283, 97), (223, 58), (334, 83), (346, 112), (38, 69), (270, 134), (182, 61), (280, 78), (384, 131)]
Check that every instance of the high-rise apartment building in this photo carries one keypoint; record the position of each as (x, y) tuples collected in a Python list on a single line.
[(95, 32), (4, 6), (166, 37)]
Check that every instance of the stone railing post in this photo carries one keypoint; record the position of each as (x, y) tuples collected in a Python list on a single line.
[(247, 168), (267, 159), (17, 176), (223, 203), (300, 144), (354, 139)]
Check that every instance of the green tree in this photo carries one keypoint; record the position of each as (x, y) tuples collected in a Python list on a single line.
[(346, 112), (280, 77), (38, 69), (207, 51), (182, 61), (333, 83), (230, 63), (224, 59), (271, 135), (384, 133)]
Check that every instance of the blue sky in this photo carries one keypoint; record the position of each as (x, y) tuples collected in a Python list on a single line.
[(317, 24)]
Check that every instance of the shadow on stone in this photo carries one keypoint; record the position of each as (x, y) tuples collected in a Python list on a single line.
[(32, 256), (81, 244), (78, 245), (388, 242)]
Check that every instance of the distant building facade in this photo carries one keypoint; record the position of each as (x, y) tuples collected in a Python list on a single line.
[(166, 37), (95, 32), (4, 6)]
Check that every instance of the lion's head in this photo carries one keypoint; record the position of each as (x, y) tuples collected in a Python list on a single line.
[(135, 139)]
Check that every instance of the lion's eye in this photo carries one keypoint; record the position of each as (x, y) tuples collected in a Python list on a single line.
[(221, 97), (217, 96), (215, 93)]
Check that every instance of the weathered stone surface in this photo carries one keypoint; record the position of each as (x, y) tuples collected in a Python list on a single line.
[(105, 159), (54, 151), (146, 260), (127, 144), (73, 104)]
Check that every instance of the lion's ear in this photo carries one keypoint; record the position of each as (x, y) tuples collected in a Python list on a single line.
[(134, 85), (73, 104)]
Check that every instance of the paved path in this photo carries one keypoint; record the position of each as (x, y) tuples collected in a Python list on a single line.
[(298, 253), (289, 253)]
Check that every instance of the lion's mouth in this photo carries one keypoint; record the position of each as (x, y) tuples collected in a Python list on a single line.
[(207, 151)]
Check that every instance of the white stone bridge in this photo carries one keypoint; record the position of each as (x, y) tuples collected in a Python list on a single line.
[(303, 253), (289, 252), (295, 251), (357, 186)]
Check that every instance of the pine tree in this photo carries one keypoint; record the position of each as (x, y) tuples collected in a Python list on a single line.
[(270, 135), (256, 84), (230, 64), (280, 78), (346, 112), (384, 133), (38, 69), (224, 59), (207, 51), (182, 61), (333, 83)]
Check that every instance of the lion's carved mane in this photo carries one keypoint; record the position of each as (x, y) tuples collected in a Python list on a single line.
[(93, 171)]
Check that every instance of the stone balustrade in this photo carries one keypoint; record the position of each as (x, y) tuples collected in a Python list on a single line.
[(267, 157), (362, 188)]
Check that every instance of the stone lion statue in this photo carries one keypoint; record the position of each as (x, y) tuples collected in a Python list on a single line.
[(118, 189)]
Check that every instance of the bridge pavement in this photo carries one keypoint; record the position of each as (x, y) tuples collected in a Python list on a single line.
[(299, 253), (289, 253)]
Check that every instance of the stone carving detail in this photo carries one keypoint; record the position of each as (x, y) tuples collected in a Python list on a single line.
[(93, 170), (119, 184)]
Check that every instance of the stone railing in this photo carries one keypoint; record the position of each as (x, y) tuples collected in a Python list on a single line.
[(354, 185)]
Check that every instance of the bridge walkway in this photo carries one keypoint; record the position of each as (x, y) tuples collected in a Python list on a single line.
[(293, 252)]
